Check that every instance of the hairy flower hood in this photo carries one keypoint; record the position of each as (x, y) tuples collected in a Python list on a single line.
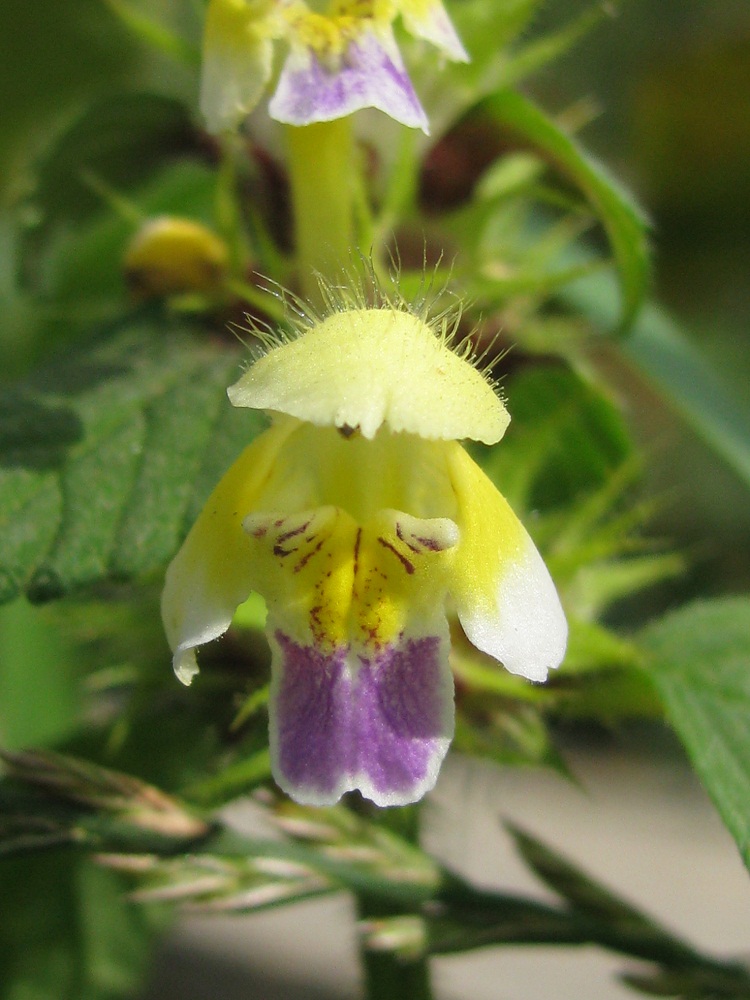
[(361, 520)]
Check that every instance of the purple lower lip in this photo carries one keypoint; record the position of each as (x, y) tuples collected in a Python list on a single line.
[(378, 724)]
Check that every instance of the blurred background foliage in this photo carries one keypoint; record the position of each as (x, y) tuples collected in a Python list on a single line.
[(672, 82), (98, 133)]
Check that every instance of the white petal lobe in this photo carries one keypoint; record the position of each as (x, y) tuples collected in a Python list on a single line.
[(529, 632)]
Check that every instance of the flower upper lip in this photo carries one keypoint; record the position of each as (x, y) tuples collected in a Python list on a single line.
[(365, 368)]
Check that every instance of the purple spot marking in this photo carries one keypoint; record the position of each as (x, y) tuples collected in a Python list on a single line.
[(293, 531), (386, 720), (308, 555), (432, 544), (407, 543), (408, 566), (279, 550)]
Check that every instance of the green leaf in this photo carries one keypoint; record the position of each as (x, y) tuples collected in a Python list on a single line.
[(607, 697), (596, 587), (538, 52), (681, 374), (66, 54), (510, 734), (154, 34), (39, 697), (566, 438), (709, 983), (120, 139), (235, 779), (507, 21), (73, 267), (624, 223), (66, 931), (700, 663), (592, 647), (90, 282), (576, 888), (591, 914), (106, 459), (490, 33)]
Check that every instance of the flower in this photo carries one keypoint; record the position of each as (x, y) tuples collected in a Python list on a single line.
[(361, 520), (338, 61)]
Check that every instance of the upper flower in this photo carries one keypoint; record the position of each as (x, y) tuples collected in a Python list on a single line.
[(337, 62), (360, 519)]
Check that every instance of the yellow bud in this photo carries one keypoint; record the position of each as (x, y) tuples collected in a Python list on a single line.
[(171, 256)]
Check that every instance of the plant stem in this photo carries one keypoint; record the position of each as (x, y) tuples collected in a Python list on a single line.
[(227, 208), (321, 165), (390, 975)]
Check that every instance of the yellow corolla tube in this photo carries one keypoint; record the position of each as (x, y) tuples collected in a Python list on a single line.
[(361, 520)]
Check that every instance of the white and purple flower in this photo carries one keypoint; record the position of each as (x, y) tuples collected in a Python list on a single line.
[(363, 522), (337, 62)]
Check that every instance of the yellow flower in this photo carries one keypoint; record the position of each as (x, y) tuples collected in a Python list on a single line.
[(362, 521), (338, 61)]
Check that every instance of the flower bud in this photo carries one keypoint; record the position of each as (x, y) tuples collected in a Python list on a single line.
[(172, 256)]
